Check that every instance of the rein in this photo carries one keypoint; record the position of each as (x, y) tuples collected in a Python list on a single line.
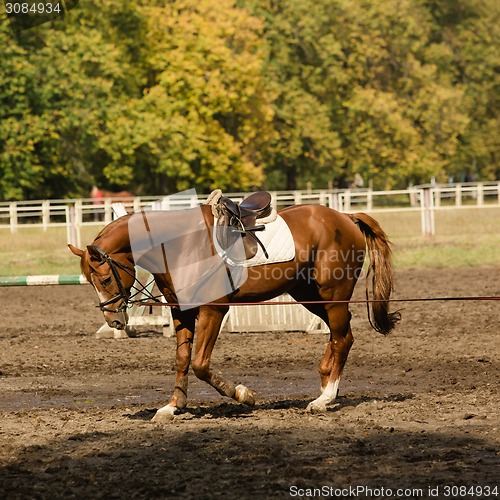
[(123, 294)]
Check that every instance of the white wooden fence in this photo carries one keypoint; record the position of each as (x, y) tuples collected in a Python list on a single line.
[(78, 213), (426, 200)]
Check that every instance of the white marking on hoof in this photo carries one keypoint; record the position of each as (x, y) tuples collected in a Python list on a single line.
[(244, 395), (164, 415), (329, 394), (313, 407)]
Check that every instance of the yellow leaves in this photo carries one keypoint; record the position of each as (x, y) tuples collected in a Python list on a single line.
[(209, 88), (381, 137), (207, 93)]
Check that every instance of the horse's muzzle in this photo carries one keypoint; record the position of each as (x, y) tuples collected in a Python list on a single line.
[(116, 320)]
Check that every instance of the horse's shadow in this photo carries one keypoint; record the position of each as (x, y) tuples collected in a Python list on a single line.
[(235, 410)]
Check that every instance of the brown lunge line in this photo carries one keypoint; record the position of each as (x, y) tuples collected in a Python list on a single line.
[(292, 302)]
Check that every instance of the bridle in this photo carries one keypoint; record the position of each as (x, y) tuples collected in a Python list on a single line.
[(127, 297), (122, 294)]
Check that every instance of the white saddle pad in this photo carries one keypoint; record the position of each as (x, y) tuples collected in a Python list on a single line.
[(277, 240)]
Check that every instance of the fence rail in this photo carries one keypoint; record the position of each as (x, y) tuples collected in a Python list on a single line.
[(74, 214)]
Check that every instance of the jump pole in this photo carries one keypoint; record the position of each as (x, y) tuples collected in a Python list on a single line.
[(43, 280), (72, 279)]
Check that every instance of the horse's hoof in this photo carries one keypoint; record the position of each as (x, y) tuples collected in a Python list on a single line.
[(244, 395), (164, 415), (314, 407)]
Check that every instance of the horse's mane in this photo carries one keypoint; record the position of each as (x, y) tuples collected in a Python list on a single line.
[(111, 226)]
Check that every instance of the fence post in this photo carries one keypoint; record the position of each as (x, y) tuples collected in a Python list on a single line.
[(274, 199), (137, 204), (437, 196), (163, 205), (347, 200), (480, 194), (458, 195), (334, 201), (369, 200), (323, 198), (108, 211), (297, 197), (73, 233), (427, 205), (13, 217), (68, 225), (78, 221), (45, 214), (413, 196)]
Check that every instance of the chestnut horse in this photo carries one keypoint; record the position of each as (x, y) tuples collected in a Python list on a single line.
[(98, 195), (329, 253)]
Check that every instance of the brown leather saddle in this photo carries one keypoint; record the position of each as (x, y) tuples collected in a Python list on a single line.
[(241, 220)]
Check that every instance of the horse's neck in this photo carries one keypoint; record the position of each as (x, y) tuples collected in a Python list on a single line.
[(115, 237), (153, 235)]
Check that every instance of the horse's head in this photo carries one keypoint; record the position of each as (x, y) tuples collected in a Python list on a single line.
[(112, 279)]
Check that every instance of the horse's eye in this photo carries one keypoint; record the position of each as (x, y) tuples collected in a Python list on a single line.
[(106, 281)]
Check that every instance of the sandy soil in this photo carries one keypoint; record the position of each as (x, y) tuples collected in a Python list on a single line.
[(417, 409)]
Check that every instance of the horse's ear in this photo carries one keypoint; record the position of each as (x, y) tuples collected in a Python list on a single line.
[(76, 251), (94, 252)]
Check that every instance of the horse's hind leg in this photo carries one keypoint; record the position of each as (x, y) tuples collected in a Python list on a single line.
[(337, 350), (184, 323), (304, 293), (209, 323)]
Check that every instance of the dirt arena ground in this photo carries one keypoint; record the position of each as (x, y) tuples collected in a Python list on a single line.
[(418, 409)]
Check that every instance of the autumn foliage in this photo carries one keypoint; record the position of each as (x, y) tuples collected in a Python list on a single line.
[(158, 96)]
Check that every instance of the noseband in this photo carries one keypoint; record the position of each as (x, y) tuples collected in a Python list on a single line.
[(123, 294)]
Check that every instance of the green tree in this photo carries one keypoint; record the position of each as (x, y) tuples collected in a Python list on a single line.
[(385, 98), (59, 82), (150, 96), (159, 96), (465, 41), (205, 115), (305, 146)]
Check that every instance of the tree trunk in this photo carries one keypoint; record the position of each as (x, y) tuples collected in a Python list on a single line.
[(291, 176)]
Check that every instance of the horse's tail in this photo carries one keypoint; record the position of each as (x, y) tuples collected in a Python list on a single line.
[(380, 254)]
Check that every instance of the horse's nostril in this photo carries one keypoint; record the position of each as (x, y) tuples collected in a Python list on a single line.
[(116, 324)]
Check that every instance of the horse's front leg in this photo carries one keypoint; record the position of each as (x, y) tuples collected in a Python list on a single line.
[(209, 324), (184, 323)]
